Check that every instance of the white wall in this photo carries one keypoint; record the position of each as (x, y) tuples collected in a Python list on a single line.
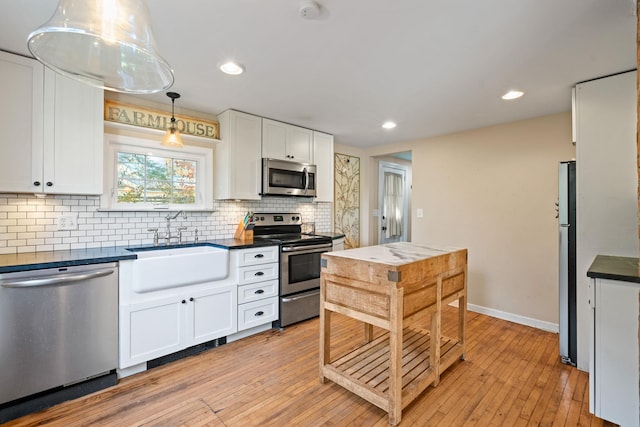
[(493, 191), (607, 204)]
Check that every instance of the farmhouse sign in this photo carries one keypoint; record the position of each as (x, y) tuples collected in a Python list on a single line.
[(154, 119)]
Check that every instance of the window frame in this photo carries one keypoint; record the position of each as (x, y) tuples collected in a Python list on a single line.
[(204, 172)]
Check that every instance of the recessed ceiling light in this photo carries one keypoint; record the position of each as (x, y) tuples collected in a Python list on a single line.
[(388, 125), (512, 94), (231, 68)]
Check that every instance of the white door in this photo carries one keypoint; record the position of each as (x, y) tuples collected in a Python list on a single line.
[(394, 203)]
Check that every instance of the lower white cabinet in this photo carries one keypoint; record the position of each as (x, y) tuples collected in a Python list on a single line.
[(613, 375), (257, 313), (152, 329), (258, 274), (338, 244)]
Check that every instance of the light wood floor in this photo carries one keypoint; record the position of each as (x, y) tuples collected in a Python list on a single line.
[(511, 376)]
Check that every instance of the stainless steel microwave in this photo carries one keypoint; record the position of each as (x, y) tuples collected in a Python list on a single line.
[(283, 178)]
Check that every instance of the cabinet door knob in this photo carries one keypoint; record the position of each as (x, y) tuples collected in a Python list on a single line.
[(258, 256), (259, 313), (191, 299), (37, 183), (49, 184), (259, 291), (259, 273), (184, 301)]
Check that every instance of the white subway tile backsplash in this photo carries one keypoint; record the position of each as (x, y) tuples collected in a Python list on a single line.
[(28, 223)]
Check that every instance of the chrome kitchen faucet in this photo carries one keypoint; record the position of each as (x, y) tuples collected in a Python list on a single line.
[(167, 235)]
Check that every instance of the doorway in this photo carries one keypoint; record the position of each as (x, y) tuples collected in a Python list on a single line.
[(393, 200)]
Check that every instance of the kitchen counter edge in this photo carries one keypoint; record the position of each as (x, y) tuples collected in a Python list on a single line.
[(620, 268), (10, 263)]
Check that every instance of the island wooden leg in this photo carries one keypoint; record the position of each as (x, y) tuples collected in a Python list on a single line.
[(368, 332), (436, 324), (395, 356), (462, 324), (325, 337)]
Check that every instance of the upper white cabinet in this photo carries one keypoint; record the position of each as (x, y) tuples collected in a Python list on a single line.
[(607, 182), (323, 158), (54, 125), (238, 165), (286, 142), (21, 118), (73, 151)]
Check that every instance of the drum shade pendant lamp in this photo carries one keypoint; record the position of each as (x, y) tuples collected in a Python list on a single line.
[(104, 43), (172, 138)]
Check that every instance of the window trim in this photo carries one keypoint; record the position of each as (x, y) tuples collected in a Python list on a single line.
[(204, 175)]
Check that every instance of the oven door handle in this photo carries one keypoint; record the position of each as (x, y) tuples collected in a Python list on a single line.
[(310, 248)]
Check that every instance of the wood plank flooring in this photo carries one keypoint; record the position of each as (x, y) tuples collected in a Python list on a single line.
[(511, 376)]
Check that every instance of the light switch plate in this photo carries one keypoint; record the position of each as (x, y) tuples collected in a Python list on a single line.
[(67, 221), (419, 213)]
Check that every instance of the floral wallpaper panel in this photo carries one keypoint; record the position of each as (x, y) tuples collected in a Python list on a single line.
[(347, 198)]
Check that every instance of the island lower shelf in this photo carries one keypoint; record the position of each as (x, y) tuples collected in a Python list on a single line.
[(365, 370)]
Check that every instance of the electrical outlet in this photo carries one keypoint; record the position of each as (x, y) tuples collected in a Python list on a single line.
[(67, 221)]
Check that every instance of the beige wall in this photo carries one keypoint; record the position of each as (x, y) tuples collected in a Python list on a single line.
[(493, 191)]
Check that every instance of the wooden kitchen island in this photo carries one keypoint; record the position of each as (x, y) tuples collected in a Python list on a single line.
[(392, 287)]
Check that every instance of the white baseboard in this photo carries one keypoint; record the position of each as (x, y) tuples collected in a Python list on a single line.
[(515, 318)]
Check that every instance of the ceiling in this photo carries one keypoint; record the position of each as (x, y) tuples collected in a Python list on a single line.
[(433, 66)]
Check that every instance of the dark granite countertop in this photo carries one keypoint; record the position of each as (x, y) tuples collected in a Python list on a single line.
[(53, 259), (333, 236), (614, 268)]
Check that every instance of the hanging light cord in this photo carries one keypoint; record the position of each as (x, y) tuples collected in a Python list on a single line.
[(173, 96)]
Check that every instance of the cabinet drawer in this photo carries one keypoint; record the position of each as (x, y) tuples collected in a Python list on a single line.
[(257, 273), (257, 291), (255, 256), (257, 313)]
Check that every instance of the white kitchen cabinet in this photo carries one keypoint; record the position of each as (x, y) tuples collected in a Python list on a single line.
[(338, 244), (55, 128), (607, 182), (155, 328), (255, 256), (21, 119), (614, 367), (258, 272), (286, 142), (73, 145), (238, 158), (323, 159)]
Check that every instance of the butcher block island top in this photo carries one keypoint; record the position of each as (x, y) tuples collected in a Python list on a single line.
[(394, 287)]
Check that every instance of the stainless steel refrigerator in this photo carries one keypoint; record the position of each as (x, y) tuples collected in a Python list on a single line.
[(567, 283)]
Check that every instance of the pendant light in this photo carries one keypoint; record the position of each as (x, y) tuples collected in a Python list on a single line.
[(104, 43), (172, 137)]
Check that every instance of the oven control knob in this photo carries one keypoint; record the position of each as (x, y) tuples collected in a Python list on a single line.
[(261, 218)]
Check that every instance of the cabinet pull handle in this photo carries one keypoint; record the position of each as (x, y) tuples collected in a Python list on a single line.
[(37, 183), (259, 273), (260, 313), (258, 256), (184, 301), (259, 291)]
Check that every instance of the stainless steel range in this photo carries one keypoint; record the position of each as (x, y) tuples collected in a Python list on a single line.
[(299, 264)]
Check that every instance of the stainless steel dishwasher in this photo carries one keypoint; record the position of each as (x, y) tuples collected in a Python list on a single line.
[(58, 326)]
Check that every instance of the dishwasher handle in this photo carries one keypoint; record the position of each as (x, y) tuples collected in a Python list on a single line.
[(55, 280)]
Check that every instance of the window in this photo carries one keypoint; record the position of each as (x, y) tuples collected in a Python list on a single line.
[(142, 175)]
